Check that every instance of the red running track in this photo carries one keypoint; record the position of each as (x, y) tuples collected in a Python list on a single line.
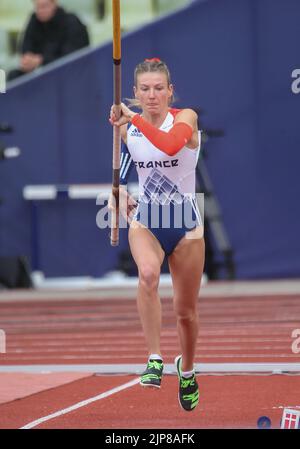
[(240, 329), (225, 402)]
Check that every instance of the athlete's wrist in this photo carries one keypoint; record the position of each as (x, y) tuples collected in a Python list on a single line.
[(126, 112), (132, 115)]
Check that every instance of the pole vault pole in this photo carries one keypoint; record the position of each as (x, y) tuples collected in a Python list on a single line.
[(114, 235)]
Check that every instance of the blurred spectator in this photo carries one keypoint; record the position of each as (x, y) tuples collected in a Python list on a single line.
[(50, 34)]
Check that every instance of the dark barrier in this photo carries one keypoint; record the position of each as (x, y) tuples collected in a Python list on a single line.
[(14, 272), (233, 59)]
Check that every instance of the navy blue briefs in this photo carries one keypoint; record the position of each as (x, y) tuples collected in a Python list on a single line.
[(168, 222)]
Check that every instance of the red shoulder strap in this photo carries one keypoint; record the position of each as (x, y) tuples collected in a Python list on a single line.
[(174, 111)]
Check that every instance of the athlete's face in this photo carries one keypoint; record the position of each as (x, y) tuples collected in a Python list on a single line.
[(153, 92)]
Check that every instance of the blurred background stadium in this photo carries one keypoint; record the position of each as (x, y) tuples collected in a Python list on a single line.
[(231, 60), (96, 14)]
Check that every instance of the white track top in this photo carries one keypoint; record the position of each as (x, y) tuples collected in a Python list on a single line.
[(159, 173)]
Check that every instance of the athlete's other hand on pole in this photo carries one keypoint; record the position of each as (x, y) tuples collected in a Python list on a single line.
[(127, 204)]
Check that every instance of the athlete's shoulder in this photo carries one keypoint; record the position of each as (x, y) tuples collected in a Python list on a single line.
[(178, 112)]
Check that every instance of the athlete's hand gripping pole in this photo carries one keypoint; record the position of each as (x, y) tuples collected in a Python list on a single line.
[(114, 234)]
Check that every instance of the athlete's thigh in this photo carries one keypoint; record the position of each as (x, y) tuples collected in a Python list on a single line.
[(145, 248), (186, 267)]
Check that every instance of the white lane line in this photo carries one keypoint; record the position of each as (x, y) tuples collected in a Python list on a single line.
[(80, 404), (136, 368)]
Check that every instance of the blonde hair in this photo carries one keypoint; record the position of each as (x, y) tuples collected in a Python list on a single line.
[(150, 65)]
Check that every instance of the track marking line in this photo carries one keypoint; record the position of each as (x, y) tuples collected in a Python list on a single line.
[(137, 369), (81, 404)]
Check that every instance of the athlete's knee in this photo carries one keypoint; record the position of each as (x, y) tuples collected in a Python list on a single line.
[(188, 318), (186, 314), (149, 276)]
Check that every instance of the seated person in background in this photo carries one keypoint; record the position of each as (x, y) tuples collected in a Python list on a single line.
[(50, 34)]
